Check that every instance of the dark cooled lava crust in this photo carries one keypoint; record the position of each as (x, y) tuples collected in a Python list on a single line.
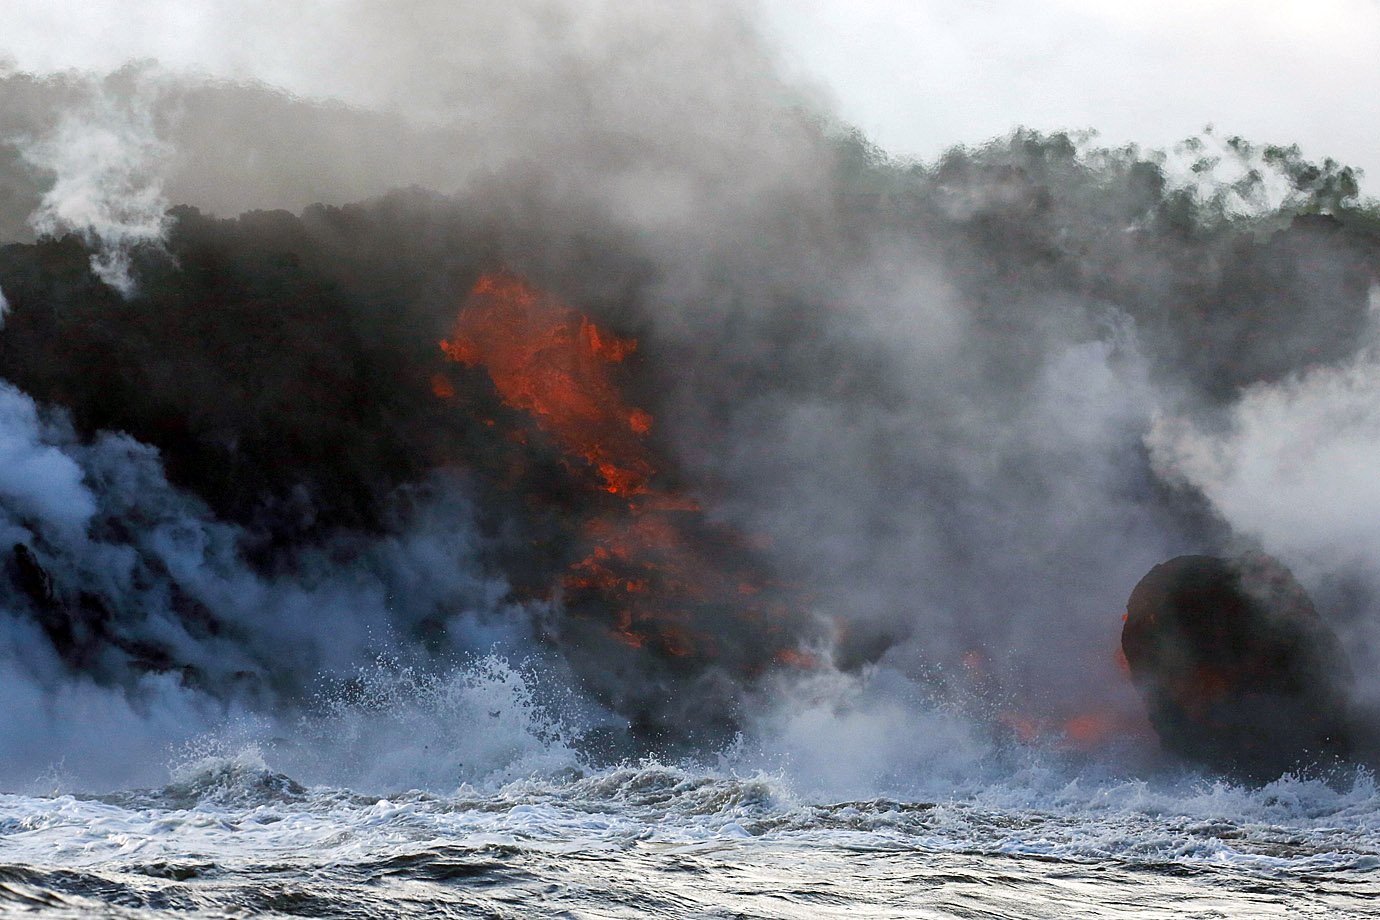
[(1237, 669)]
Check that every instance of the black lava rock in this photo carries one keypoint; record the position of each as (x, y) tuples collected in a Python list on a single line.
[(1237, 670)]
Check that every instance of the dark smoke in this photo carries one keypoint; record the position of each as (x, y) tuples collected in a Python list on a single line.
[(936, 400)]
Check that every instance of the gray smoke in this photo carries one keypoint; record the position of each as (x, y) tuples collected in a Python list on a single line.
[(662, 114)]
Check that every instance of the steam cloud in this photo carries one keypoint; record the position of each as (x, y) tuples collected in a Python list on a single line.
[(925, 391), (106, 188)]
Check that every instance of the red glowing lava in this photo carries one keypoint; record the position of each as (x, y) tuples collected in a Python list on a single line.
[(649, 566), (548, 360)]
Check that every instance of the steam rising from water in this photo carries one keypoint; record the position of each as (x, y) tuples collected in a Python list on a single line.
[(927, 390), (144, 579)]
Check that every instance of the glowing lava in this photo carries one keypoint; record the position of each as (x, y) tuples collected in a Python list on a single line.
[(547, 359), (650, 568)]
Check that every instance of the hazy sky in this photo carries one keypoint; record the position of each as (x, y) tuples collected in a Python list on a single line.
[(919, 75)]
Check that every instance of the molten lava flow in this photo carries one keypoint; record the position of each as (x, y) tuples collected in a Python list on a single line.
[(1062, 724), (548, 360), (1083, 731), (441, 387), (651, 569)]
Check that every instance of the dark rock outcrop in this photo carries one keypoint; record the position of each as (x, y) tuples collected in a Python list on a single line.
[(1237, 670)]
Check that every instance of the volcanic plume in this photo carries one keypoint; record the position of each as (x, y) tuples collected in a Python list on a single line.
[(728, 399)]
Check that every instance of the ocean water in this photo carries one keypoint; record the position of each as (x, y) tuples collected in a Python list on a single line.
[(230, 837), (464, 800)]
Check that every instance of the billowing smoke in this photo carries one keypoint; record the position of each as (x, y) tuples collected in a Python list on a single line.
[(130, 604), (918, 425)]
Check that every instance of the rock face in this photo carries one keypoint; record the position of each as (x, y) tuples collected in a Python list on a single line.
[(1237, 670)]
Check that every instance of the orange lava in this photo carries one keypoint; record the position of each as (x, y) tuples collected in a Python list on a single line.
[(547, 359), (659, 575), (1090, 728), (441, 387), (1081, 732)]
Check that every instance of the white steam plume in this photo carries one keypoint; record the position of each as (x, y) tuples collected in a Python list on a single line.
[(1295, 466), (106, 159), (147, 626)]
